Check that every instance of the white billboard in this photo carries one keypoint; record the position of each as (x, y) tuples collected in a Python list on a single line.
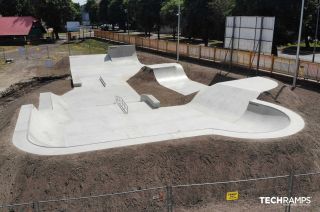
[(250, 33), (73, 26)]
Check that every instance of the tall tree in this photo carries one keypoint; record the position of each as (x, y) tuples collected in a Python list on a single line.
[(56, 13), (117, 14), (148, 15), (206, 18), (169, 11), (92, 8), (17, 7), (287, 13), (103, 10), (131, 6)]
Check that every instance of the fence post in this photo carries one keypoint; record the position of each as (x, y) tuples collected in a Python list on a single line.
[(26, 51), (272, 63), (158, 44), (200, 52), (166, 46), (69, 49), (36, 206), (3, 54), (318, 75), (290, 185), (48, 52), (188, 50), (169, 199), (176, 48), (214, 54), (250, 60)]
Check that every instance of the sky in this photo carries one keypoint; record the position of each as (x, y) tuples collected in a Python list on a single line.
[(80, 1)]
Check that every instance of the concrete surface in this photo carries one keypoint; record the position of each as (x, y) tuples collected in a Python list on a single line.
[(87, 118), (172, 76)]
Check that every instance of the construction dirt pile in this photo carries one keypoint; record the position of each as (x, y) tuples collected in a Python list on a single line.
[(25, 177)]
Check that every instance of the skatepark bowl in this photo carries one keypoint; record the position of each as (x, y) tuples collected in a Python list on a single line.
[(103, 111)]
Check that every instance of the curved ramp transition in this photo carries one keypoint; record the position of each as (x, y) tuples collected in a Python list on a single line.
[(87, 118)]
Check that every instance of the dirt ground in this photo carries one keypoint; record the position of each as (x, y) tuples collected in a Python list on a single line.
[(25, 177)]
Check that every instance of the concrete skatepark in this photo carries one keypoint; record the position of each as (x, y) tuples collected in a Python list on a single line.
[(103, 111)]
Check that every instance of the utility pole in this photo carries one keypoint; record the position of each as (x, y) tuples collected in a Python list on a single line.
[(298, 47), (179, 19), (316, 35)]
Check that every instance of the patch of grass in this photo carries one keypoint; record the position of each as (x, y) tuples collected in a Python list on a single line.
[(302, 44), (215, 43), (7, 48), (89, 46)]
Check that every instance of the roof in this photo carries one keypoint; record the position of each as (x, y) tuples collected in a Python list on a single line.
[(16, 25)]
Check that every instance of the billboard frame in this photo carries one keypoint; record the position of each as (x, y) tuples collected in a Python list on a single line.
[(257, 38)]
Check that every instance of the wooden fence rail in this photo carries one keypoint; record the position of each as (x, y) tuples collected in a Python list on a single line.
[(271, 63)]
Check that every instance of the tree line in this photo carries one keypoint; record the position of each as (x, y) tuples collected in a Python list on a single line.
[(55, 13), (204, 19)]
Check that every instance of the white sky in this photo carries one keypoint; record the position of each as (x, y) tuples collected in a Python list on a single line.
[(80, 1)]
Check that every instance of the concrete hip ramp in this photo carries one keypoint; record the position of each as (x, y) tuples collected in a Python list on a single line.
[(172, 76), (90, 118)]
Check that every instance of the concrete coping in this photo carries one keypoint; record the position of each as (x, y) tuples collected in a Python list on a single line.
[(150, 100)]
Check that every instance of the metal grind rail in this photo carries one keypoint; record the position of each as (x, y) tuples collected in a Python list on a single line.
[(122, 104)]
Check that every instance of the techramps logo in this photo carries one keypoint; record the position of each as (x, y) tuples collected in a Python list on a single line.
[(293, 201)]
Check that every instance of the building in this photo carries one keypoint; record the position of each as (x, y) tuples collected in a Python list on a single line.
[(25, 28)]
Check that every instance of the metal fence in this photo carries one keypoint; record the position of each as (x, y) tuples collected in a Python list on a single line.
[(270, 63), (192, 197), (47, 54)]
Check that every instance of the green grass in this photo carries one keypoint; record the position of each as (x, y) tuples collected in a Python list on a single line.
[(89, 46), (215, 43), (302, 44), (7, 48)]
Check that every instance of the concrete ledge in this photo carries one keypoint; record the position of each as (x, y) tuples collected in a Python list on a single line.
[(76, 81), (150, 100)]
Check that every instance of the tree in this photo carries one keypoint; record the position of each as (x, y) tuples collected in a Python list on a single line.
[(286, 26), (169, 11), (103, 10), (206, 18), (116, 13), (92, 8), (131, 6), (148, 15), (56, 13), (17, 7), (77, 10)]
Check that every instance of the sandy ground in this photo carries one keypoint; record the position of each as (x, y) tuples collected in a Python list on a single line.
[(25, 177)]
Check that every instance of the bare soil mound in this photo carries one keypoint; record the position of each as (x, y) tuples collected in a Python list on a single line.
[(284, 96), (25, 177)]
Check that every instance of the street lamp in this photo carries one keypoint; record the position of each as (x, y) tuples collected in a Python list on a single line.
[(179, 19), (298, 47)]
